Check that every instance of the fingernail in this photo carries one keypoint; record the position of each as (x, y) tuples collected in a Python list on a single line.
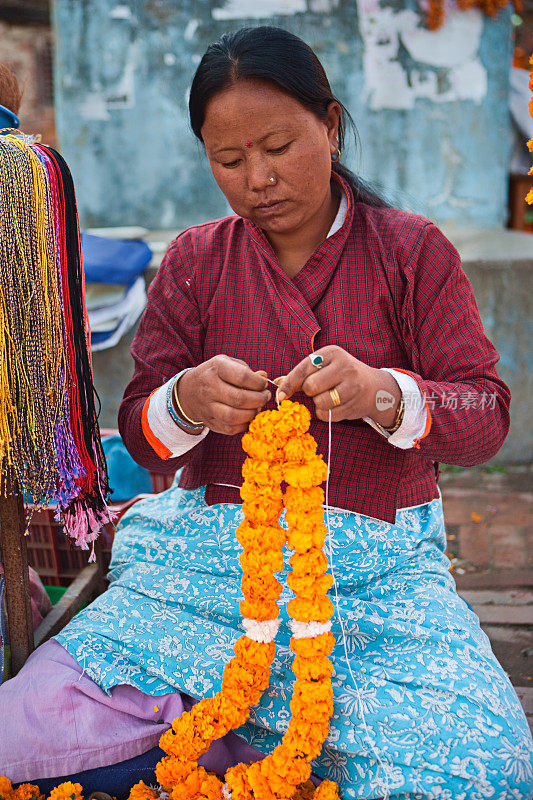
[(281, 396), (262, 373)]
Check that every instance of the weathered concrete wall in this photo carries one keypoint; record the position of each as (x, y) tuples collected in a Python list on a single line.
[(431, 108)]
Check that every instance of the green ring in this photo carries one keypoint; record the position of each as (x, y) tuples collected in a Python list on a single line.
[(316, 359)]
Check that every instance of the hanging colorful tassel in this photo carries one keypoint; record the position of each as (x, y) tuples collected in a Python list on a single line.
[(49, 438)]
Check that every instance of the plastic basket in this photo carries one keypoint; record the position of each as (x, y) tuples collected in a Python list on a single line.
[(51, 552)]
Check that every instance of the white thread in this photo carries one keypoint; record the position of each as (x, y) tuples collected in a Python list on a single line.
[(348, 664), (226, 791)]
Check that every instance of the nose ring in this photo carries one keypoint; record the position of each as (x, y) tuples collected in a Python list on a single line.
[(272, 180)]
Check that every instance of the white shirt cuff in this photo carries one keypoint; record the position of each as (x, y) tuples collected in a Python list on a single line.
[(165, 429), (415, 413)]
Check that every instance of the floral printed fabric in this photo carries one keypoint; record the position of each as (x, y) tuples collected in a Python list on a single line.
[(422, 707)]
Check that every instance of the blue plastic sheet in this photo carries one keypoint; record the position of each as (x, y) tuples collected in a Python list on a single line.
[(113, 260)]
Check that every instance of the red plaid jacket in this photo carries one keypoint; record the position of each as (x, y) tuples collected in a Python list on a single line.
[(388, 287)]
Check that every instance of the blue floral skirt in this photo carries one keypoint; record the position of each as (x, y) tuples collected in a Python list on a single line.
[(422, 709)]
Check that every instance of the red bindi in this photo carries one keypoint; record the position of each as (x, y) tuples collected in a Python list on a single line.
[(249, 144)]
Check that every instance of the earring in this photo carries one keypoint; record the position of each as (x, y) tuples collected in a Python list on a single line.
[(336, 156)]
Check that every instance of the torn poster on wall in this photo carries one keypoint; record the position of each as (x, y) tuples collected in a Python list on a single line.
[(404, 61)]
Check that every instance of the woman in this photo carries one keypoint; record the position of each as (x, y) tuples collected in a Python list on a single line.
[(367, 314)]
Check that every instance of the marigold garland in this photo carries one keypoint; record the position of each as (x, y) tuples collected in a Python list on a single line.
[(529, 196), (279, 449)]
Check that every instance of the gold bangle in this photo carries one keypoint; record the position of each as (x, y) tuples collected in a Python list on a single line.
[(180, 409), (399, 417)]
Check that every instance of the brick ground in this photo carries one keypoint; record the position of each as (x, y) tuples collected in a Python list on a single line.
[(489, 525), (489, 519)]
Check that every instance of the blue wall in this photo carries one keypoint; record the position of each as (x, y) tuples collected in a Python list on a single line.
[(432, 114)]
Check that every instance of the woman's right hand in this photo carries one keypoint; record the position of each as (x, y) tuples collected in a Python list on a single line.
[(223, 393)]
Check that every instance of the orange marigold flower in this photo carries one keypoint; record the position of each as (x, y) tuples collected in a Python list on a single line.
[(258, 783), (304, 540), (6, 788), (263, 473), (327, 790), (28, 791), (312, 473), (287, 769), (265, 425), (239, 680), (142, 792), (260, 511), (319, 610), (249, 651), (228, 713), (435, 14), (305, 739), (265, 587), (530, 145), (303, 500), (311, 712), (181, 741), (300, 448), (529, 197), (313, 691), (260, 450), (199, 785), (294, 419), (313, 647), (259, 609), (313, 562), (305, 522), (171, 770), (237, 780), (251, 492), (312, 668), (309, 587), (67, 791), (269, 561), (261, 538)]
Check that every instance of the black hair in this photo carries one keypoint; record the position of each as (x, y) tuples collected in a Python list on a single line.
[(278, 56)]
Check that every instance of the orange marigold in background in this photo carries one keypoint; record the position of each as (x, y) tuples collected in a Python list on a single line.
[(435, 9), (529, 195)]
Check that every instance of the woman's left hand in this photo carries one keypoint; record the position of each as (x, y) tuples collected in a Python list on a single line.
[(342, 376)]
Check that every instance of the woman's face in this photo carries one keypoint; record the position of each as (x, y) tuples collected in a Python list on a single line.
[(253, 132)]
